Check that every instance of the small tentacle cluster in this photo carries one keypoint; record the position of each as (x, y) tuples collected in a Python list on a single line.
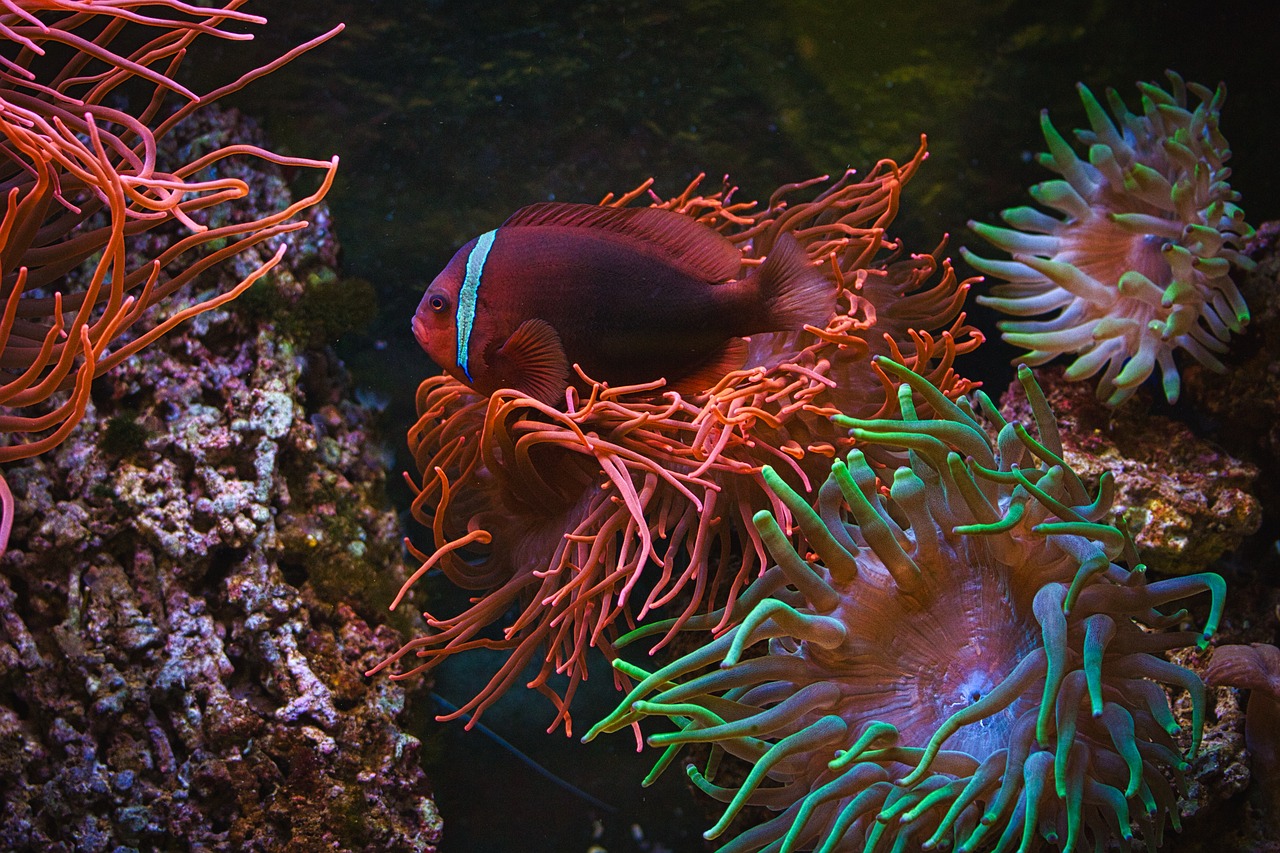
[(958, 660), (593, 517), (1139, 265)]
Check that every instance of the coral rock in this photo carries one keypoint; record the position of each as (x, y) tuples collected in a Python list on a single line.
[(1186, 502), (171, 667)]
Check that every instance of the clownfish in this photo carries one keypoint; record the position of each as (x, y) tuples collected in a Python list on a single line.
[(630, 295)]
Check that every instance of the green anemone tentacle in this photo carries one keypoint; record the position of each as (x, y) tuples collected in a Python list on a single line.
[(944, 654), (1149, 202)]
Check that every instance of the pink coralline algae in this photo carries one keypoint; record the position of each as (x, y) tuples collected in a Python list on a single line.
[(970, 658), (1139, 266)]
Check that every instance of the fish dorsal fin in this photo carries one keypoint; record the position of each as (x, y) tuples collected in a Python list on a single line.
[(711, 370), (532, 361), (703, 252)]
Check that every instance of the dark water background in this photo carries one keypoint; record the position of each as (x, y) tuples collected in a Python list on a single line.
[(449, 115)]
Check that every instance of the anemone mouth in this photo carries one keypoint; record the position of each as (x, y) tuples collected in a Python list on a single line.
[(915, 667), (1104, 251), (970, 677)]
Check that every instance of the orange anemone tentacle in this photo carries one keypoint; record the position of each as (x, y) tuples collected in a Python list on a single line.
[(635, 504)]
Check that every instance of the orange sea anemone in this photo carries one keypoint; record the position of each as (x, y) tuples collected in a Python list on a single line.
[(638, 500)]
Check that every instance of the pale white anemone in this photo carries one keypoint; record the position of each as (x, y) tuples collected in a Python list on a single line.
[(1140, 263)]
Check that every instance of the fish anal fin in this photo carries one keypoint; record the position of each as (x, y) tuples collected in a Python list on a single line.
[(791, 290), (711, 370), (683, 241), (532, 361)]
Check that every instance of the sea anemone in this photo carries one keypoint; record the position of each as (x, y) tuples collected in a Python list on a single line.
[(955, 660), (1256, 668), (1139, 265), (637, 499), (82, 185)]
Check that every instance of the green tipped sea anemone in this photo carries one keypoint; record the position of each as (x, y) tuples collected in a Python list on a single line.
[(1139, 264), (968, 659)]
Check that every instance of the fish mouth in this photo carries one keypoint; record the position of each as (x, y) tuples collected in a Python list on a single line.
[(420, 332)]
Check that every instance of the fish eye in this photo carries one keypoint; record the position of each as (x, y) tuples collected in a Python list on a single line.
[(439, 303)]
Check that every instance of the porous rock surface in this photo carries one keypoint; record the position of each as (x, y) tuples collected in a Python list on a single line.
[(185, 603)]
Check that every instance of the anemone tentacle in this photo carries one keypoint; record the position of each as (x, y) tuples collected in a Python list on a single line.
[(1139, 266), (1007, 692), (629, 504)]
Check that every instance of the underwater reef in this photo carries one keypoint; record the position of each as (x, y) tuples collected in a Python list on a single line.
[(176, 660), (184, 485), (862, 603), (83, 185), (1245, 691), (956, 642)]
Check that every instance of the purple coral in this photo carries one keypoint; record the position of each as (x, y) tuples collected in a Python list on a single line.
[(183, 611)]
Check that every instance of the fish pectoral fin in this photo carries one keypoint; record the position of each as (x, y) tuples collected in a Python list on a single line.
[(712, 369), (532, 361)]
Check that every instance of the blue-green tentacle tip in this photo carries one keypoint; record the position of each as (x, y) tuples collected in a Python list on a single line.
[(1217, 587)]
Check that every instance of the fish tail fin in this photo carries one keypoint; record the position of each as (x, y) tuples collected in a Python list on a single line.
[(793, 292)]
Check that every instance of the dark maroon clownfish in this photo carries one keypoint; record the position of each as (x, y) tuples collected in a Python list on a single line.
[(630, 295)]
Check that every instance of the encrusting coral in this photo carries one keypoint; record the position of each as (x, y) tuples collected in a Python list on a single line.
[(1139, 266), (637, 499), (968, 659)]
